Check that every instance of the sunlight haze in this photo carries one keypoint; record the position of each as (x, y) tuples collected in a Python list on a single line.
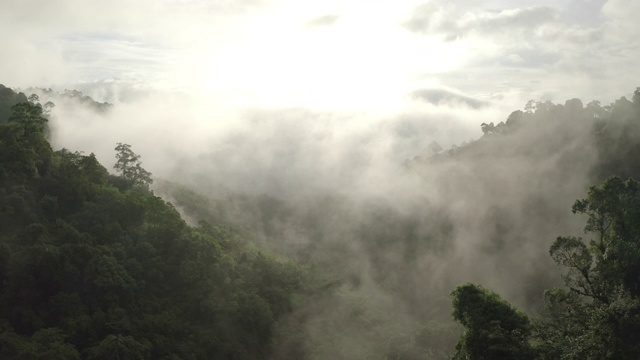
[(330, 55)]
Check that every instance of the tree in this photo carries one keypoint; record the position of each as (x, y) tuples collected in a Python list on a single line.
[(46, 343), (118, 347), (598, 315), (493, 328), (29, 116), (613, 210), (89, 271), (530, 106), (48, 106), (129, 166), (488, 129), (25, 149), (8, 98), (34, 99), (616, 133)]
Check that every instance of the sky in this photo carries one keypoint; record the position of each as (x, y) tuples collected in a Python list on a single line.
[(196, 76), (347, 55)]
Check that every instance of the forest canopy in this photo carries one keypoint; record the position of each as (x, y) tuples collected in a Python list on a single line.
[(95, 265)]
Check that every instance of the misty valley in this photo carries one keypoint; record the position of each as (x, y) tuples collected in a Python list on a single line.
[(284, 239)]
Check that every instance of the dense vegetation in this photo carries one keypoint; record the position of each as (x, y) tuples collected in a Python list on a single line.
[(96, 266), (524, 170), (596, 315)]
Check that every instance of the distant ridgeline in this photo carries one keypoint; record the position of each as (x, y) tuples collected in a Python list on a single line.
[(95, 266), (73, 95), (8, 98), (614, 128), (596, 314)]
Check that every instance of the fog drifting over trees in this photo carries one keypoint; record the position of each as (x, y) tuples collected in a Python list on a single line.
[(339, 168)]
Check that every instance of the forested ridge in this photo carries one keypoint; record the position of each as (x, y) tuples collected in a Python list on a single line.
[(97, 266), (596, 314)]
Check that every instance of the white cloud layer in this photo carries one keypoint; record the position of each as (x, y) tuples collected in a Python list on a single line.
[(376, 63), (333, 55), (552, 50)]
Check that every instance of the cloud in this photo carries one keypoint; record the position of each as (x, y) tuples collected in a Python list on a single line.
[(622, 10), (340, 171), (585, 12), (399, 238), (451, 23), (429, 17), (519, 57), (259, 50), (586, 46), (88, 41), (324, 20), (445, 97), (227, 6)]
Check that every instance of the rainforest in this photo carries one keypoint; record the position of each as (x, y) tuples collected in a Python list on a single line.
[(520, 244)]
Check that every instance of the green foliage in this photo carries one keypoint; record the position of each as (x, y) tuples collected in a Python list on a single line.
[(8, 98), (118, 347), (599, 316), (26, 151), (95, 270), (493, 328), (30, 116), (46, 343), (613, 210), (91, 267), (130, 167)]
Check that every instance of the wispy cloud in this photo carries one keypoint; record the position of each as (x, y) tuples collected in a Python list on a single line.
[(324, 20), (442, 97)]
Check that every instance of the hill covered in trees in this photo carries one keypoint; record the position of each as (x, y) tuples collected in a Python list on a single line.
[(97, 266), (596, 315), (486, 212)]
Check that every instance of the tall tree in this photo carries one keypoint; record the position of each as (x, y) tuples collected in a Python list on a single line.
[(25, 149), (597, 316), (130, 166)]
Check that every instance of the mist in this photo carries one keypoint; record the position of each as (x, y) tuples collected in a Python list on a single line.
[(393, 221), (357, 139)]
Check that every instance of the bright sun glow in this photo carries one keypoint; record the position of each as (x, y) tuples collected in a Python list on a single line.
[(356, 60)]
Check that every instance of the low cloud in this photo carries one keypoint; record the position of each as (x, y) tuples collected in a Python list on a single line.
[(584, 47), (324, 20), (450, 22), (445, 97), (336, 190)]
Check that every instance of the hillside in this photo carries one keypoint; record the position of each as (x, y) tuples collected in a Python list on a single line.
[(97, 265)]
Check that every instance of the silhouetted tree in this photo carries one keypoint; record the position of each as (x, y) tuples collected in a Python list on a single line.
[(130, 167)]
